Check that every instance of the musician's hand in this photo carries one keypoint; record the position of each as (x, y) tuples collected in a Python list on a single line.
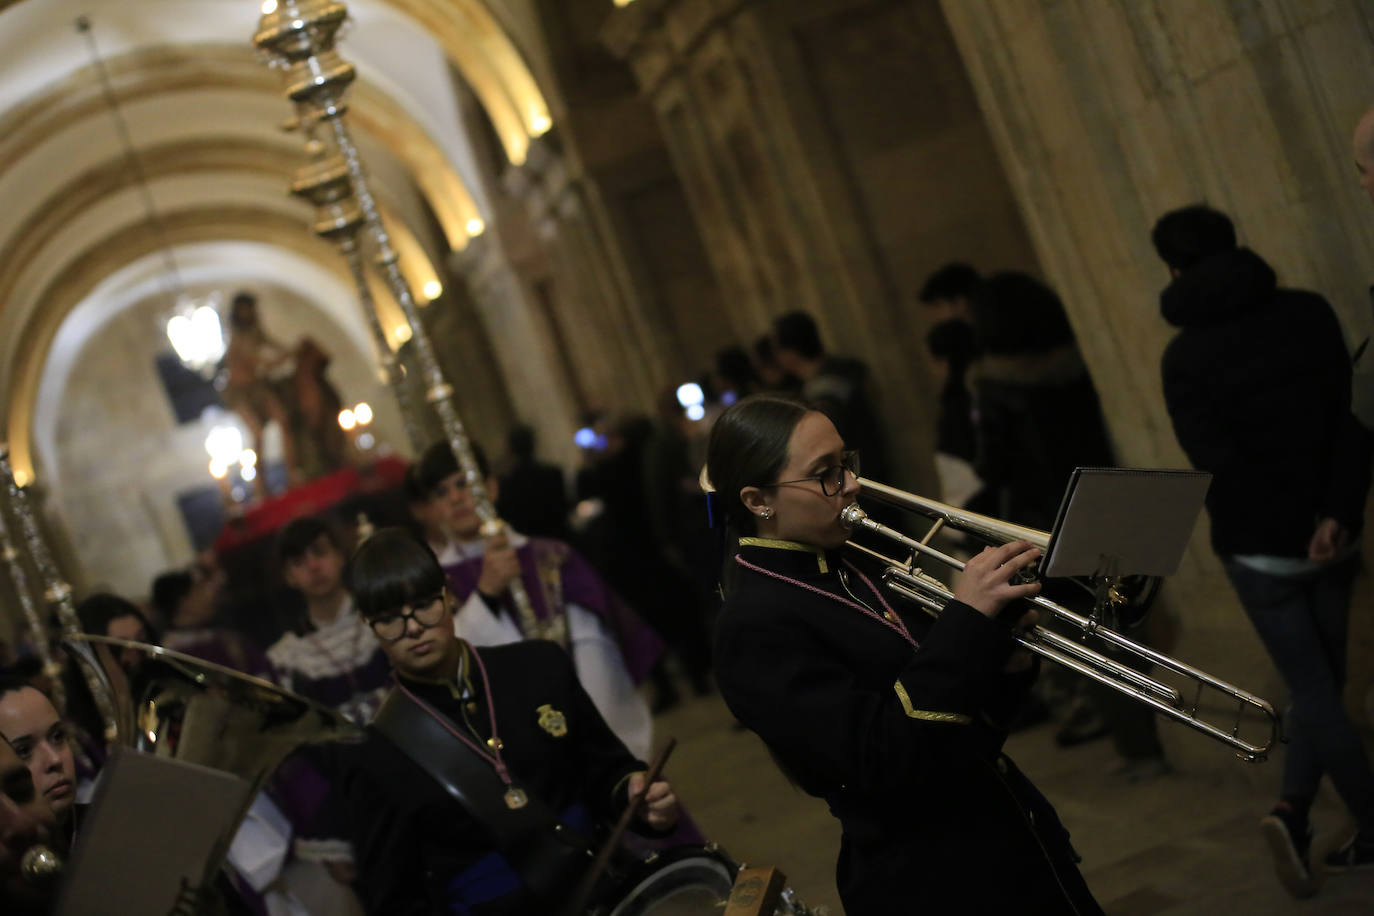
[(660, 804), (500, 566), (986, 583), (1328, 540)]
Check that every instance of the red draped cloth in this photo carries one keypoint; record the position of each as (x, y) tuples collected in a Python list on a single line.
[(312, 498)]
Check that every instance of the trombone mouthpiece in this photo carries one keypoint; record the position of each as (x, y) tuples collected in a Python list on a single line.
[(852, 516)]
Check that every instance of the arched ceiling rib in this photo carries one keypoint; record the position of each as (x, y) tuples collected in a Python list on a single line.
[(168, 56), (203, 266), (492, 66), (471, 38), (283, 225), (142, 76), (152, 72), (183, 157)]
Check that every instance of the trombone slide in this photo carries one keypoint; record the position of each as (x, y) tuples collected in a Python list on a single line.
[(908, 581)]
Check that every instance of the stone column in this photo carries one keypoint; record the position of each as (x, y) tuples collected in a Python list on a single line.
[(624, 355), (1108, 115), (525, 348), (784, 148), (693, 61)]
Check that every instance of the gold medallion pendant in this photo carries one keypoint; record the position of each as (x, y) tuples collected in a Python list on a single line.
[(552, 721), (516, 797)]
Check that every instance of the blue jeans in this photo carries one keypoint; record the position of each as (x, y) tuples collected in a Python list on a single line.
[(1302, 621)]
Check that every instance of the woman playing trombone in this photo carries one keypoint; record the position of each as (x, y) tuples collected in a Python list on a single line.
[(897, 721)]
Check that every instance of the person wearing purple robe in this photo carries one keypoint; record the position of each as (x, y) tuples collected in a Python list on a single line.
[(612, 649)]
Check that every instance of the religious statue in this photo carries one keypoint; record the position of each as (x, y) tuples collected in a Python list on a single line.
[(264, 381)]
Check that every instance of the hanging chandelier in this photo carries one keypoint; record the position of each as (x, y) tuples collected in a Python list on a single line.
[(194, 328)]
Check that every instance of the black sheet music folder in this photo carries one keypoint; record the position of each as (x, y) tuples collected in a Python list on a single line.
[(1124, 521)]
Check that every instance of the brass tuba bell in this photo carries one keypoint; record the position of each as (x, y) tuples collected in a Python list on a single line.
[(194, 712)]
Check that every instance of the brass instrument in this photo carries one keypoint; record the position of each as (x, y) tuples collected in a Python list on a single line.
[(905, 578), (196, 712)]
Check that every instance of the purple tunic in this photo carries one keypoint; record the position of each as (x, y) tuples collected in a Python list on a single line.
[(555, 576)]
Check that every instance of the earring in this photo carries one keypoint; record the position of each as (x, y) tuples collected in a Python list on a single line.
[(767, 512)]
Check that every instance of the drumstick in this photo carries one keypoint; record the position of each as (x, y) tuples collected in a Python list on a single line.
[(587, 887)]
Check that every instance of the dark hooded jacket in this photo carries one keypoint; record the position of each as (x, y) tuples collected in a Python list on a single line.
[(1038, 418), (1257, 384)]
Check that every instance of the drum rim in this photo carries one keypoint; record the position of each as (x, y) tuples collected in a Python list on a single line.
[(673, 860)]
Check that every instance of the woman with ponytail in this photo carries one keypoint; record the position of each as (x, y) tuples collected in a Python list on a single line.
[(894, 719)]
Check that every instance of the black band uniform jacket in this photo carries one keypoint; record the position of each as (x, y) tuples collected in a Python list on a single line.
[(418, 850), (903, 744)]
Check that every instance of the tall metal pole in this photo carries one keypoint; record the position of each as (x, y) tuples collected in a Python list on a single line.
[(325, 182), (299, 35), (55, 589), (19, 578)]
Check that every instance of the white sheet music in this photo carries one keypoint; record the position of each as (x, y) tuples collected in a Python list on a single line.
[(1125, 521)]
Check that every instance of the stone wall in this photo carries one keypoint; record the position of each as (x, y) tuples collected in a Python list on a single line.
[(833, 155), (1107, 115)]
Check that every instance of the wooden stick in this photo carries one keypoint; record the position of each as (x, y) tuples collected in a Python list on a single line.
[(583, 895)]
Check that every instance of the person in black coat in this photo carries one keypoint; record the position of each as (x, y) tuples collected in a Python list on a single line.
[(1038, 418), (534, 496), (1257, 383), (418, 849), (840, 386), (1037, 409), (953, 343), (897, 722)]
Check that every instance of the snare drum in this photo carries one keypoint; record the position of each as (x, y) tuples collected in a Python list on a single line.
[(686, 881)]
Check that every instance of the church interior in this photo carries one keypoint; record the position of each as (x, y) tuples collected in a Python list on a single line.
[(585, 203)]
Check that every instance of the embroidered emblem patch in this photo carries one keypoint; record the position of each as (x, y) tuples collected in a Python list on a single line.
[(552, 721)]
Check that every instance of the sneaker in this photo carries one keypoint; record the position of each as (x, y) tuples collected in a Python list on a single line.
[(1289, 839), (1356, 853)]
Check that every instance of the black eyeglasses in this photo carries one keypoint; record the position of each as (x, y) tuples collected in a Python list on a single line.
[(831, 479), (427, 613)]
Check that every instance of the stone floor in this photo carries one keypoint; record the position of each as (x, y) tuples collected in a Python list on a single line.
[(1184, 843)]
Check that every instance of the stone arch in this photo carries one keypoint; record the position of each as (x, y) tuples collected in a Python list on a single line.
[(465, 31), (197, 155), (154, 71), (475, 41), (483, 52), (85, 270)]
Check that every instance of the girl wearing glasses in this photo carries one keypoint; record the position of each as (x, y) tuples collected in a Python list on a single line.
[(517, 733), (894, 719)]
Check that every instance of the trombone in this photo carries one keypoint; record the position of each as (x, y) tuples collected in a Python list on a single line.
[(905, 578)]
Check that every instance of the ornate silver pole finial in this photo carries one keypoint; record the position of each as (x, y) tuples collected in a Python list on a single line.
[(325, 182), (19, 578), (55, 589), (299, 35)]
